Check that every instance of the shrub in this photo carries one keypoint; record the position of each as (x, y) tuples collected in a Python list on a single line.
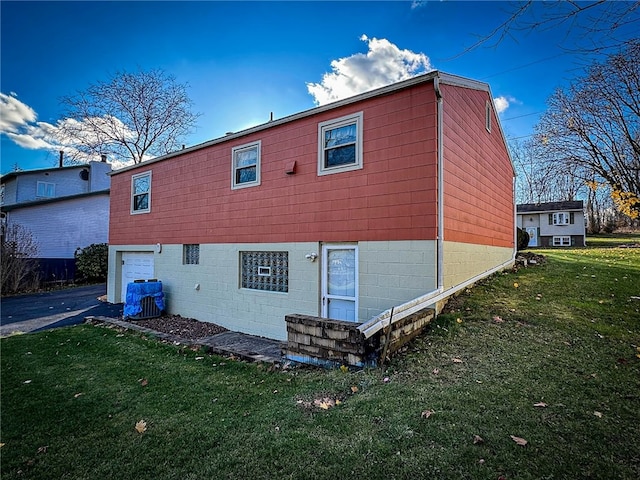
[(92, 262), (523, 239), (19, 270)]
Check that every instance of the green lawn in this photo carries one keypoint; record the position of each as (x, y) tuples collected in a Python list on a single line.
[(548, 354)]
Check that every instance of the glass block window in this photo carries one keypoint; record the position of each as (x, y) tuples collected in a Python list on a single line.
[(267, 271), (191, 254)]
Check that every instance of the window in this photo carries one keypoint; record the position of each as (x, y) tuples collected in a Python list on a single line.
[(562, 241), (141, 193), (2, 194), (340, 144), (46, 189), (487, 116), (560, 218), (191, 254), (245, 170), (267, 271)]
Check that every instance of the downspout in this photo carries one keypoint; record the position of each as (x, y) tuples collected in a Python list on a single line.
[(440, 237)]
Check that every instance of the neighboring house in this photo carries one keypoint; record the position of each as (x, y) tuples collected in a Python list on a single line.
[(342, 211), (64, 208), (553, 224)]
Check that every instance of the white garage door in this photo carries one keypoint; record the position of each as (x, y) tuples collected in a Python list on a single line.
[(135, 266)]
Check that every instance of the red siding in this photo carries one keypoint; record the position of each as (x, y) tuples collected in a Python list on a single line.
[(392, 198), (478, 179)]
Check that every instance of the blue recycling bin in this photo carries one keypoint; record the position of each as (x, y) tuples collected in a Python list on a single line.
[(144, 300)]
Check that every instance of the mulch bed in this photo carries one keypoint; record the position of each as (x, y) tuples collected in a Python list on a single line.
[(186, 328)]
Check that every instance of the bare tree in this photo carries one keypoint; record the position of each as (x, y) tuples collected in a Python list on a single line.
[(132, 116), (593, 128), (541, 178), (19, 267), (598, 26)]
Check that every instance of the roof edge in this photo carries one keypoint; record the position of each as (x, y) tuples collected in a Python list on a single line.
[(446, 78)]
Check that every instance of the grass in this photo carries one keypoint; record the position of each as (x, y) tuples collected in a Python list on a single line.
[(566, 337)]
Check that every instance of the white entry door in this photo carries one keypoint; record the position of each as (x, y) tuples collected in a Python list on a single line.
[(135, 266), (340, 282)]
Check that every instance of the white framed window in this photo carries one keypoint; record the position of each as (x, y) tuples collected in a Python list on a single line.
[(562, 241), (191, 254), (141, 193), (340, 144), (560, 218), (487, 116), (45, 189), (245, 168)]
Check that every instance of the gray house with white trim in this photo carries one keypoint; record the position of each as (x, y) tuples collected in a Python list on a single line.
[(553, 224), (64, 208)]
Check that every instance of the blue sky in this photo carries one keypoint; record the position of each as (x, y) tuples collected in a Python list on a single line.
[(244, 60)]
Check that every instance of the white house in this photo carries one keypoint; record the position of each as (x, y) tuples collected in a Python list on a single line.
[(64, 208), (553, 224)]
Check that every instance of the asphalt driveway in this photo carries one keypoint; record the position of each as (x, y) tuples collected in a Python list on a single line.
[(40, 311)]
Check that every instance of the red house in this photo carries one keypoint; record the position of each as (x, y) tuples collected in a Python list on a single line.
[(397, 197)]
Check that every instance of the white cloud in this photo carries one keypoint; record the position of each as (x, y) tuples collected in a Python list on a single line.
[(382, 65), (501, 103), (14, 114), (18, 123)]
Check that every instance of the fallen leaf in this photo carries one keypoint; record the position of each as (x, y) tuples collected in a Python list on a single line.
[(27, 381), (354, 389), (338, 402), (498, 319), (457, 360), (324, 403), (386, 380), (199, 358), (436, 371), (427, 413), (515, 285), (540, 404), (344, 368), (144, 382), (458, 320), (43, 449), (2, 445), (141, 426), (477, 439), (78, 395), (520, 441), (598, 414)]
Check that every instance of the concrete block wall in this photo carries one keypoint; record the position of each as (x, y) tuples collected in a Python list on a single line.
[(465, 260), (392, 273)]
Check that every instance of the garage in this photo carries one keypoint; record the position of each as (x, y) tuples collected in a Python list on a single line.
[(135, 266)]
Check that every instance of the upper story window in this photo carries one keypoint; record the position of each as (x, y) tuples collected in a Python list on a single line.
[(487, 116), (45, 189), (2, 194), (245, 171), (340, 144), (141, 193), (561, 218)]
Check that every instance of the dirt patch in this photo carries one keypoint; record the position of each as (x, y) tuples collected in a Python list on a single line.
[(187, 328)]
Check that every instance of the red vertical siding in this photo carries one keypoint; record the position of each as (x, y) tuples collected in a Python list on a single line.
[(392, 198), (478, 179)]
